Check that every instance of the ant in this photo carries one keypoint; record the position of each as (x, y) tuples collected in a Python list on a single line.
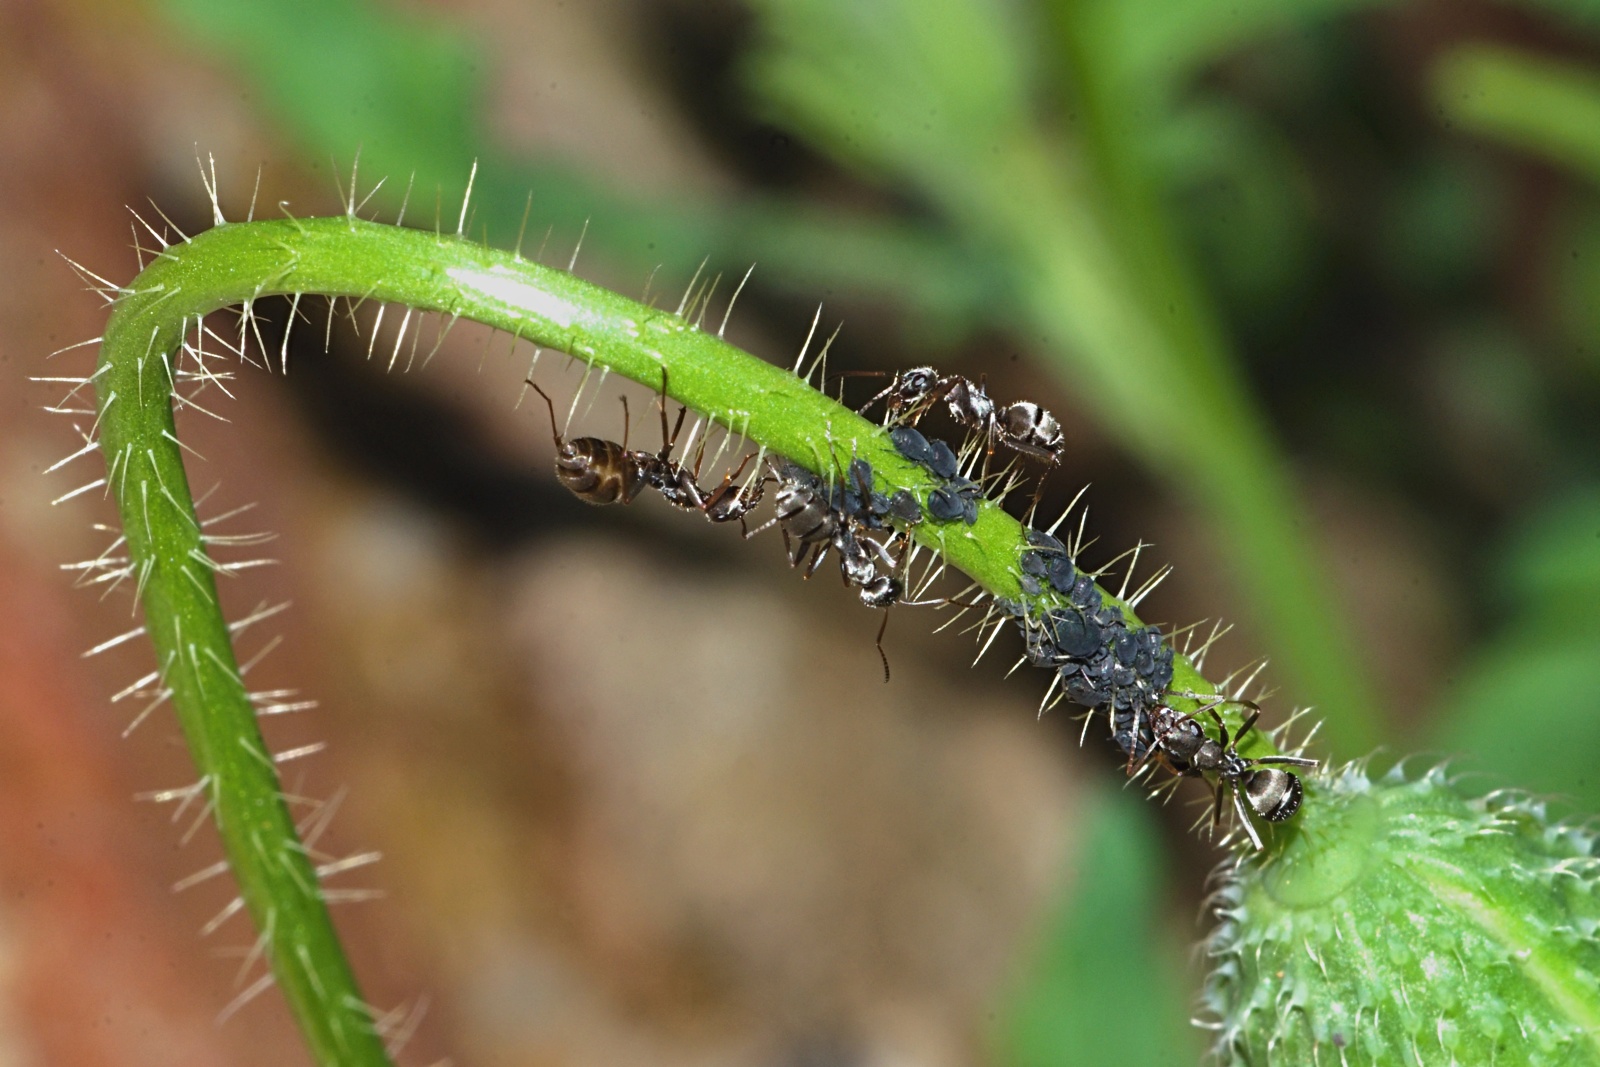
[(598, 471), (1022, 426), (812, 524), (1257, 785), (728, 502), (803, 515)]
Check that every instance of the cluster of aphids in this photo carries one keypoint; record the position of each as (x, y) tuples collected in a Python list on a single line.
[(1098, 660), (1101, 662)]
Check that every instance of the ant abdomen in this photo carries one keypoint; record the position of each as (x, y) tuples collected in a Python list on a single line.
[(598, 471)]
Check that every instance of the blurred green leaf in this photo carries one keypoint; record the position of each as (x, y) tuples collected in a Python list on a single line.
[(896, 87), (1102, 985), (403, 90), (1553, 568), (1242, 200), (1440, 223), (1527, 708), (1151, 46), (349, 74), (1537, 104), (1576, 268)]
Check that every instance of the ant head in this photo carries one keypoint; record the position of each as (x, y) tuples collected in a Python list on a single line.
[(882, 592)]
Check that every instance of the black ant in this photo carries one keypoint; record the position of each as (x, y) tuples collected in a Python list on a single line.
[(1271, 793), (812, 524), (1022, 426), (599, 471), (803, 514)]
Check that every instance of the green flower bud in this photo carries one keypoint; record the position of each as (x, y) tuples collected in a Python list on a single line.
[(1401, 922)]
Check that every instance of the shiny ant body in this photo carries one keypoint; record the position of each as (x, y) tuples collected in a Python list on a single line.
[(598, 471), (1022, 426), (1257, 785), (815, 521)]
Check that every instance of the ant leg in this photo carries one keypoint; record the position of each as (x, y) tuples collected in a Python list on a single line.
[(1244, 817), (666, 444), (555, 435), (734, 475), (748, 533), (883, 626), (625, 424), (821, 553), (1287, 761), (671, 442), (1244, 728)]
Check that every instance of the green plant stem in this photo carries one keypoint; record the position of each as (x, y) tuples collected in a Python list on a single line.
[(240, 263)]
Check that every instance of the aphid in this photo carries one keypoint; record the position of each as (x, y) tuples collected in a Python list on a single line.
[(904, 508), (598, 471), (1049, 542), (1257, 785), (909, 442), (858, 500), (955, 500), (943, 462), (935, 456)]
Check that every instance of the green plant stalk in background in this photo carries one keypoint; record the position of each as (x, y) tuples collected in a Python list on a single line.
[(1390, 918)]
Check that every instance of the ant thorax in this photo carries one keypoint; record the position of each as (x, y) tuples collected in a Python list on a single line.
[(971, 406)]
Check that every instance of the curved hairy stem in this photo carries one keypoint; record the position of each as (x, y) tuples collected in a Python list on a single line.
[(345, 256)]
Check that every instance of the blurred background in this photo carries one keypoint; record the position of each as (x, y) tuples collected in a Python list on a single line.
[(1311, 286)]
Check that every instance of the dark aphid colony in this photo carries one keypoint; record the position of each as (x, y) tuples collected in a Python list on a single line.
[(1097, 659)]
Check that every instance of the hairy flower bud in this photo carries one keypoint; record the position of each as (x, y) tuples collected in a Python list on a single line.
[(1402, 922)]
